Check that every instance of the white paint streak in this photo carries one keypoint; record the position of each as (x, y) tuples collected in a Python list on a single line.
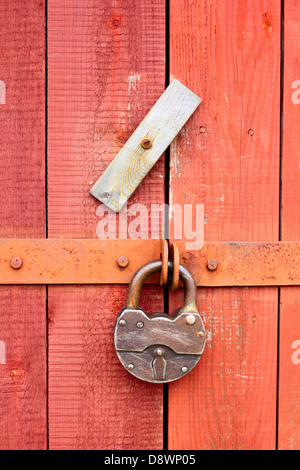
[(2, 353), (2, 92), (174, 161), (248, 377), (133, 80)]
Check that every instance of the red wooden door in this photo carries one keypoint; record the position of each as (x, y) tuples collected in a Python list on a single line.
[(71, 93)]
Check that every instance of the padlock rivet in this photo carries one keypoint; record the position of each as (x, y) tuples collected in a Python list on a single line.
[(16, 263), (190, 320), (200, 334), (140, 324), (159, 352), (130, 366), (122, 322), (184, 369), (146, 144)]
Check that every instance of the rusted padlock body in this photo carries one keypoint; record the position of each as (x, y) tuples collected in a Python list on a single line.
[(159, 348)]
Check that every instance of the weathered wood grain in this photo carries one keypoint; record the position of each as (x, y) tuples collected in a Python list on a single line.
[(106, 70), (133, 162), (289, 367), (227, 158), (23, 400)]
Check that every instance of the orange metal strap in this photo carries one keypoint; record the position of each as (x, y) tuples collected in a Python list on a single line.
[(175, 278), (49, 261), (244, 263)]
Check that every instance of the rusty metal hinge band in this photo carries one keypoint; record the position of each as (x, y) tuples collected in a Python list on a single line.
[(85, 261)]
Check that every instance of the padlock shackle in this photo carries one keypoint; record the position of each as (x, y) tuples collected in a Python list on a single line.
[(135, 287)]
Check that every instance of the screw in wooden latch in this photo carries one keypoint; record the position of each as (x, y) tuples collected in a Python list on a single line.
[(16, 263), (146, 144)]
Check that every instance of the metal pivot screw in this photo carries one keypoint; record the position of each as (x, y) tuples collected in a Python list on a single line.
[(190, 320), (123, 262), (212, 264), (16, 263), (130, 366), (146, 144), (140, 325), (184, 369), (122, 322)]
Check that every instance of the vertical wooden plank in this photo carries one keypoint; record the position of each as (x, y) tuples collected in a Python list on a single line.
[(106, 71), (23, 402), (227, 158), (289, 358)]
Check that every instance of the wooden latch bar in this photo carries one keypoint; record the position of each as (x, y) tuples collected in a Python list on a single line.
[(148, 142)]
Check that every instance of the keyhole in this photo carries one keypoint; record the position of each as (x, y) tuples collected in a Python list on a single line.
[(159, 364)]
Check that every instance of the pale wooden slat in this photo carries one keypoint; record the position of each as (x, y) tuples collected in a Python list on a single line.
[(133, 162)]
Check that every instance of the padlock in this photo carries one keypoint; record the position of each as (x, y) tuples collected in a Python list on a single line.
[(159, 348)]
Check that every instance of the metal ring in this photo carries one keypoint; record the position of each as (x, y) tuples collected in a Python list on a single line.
[(164, 257), (135, 287), (175, 278)]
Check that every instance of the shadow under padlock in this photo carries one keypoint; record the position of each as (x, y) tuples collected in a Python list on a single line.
[(159, 348)]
